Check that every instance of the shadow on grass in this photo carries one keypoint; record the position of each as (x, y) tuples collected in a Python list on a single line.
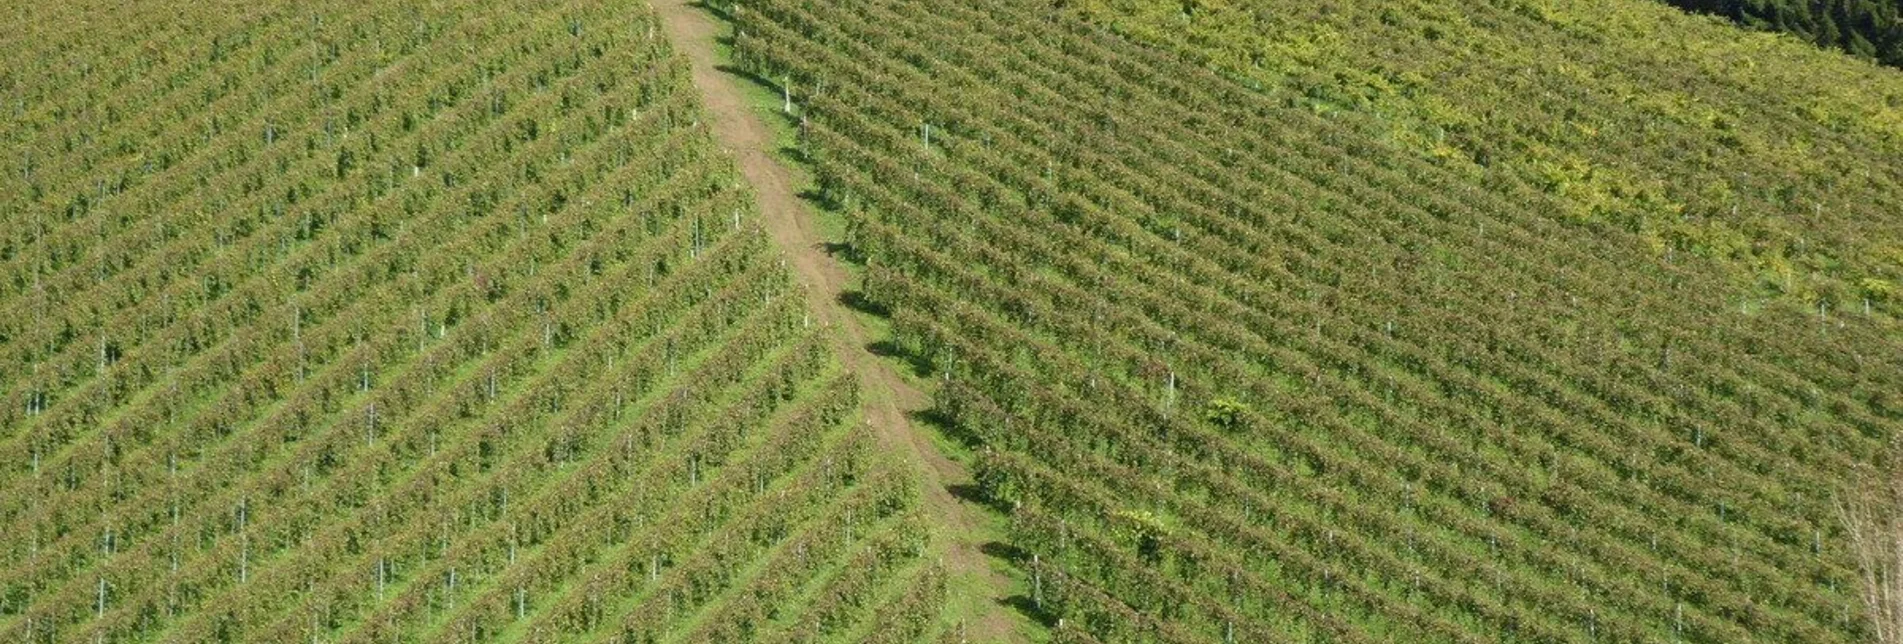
[(1028, 608), (857, 300), (921, 368), (946, 427), (845, 252), (814, 196), (836, 249), (968, 492), (1023, 604), (709, 7), (1004, 552)]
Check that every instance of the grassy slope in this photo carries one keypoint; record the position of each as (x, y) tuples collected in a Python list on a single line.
[(1778, 160), (1441, 367), (344, 320), (964, 594)]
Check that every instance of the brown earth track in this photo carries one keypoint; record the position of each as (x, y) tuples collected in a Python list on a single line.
[(889, 397)]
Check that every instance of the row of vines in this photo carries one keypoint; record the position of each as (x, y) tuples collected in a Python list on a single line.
[(1767, 157), (413, 321), (1239, 371)]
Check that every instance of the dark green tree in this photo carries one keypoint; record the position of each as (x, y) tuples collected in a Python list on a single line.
[(1865, 28)]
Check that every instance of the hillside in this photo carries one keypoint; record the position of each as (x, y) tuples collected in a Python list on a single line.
[(1775, 159), (413, 322), (1868, 28), (1248, 365), (894, 321)]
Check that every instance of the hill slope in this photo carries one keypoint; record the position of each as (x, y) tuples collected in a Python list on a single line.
[(419, 321), (1252, 320), (1776, 160), (1242, 368), (1868, 28)]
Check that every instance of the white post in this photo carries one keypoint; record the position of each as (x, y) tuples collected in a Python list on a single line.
[(244, 544), (1037, 584), (297, 337), (1170, 405)]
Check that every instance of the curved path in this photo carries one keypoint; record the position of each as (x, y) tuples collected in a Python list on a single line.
[(888, 397)]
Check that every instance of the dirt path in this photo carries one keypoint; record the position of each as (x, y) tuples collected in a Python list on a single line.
[(888, 396)]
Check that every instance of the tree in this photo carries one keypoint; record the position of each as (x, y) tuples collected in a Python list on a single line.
[(1872, 515), (1864, 28)]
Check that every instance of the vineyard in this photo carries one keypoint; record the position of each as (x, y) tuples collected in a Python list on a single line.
[(1868, 28), (1099, 321), (412, 321), (1249, 365), (1774, 160)]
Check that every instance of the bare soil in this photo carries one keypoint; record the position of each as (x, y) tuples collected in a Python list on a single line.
[(889, 397)]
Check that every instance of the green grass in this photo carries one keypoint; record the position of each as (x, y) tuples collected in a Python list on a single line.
[(1443, 369), (967, 595), (548, 205)]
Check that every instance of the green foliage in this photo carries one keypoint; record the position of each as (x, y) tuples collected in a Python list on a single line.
[(998, 484), (1473, 267), (1144, 529), (1876, 289), (409, 322), (1752, 153), (1226, 414), (1866, 28)]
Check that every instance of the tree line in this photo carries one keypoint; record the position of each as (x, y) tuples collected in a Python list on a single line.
[(1868, 28)]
